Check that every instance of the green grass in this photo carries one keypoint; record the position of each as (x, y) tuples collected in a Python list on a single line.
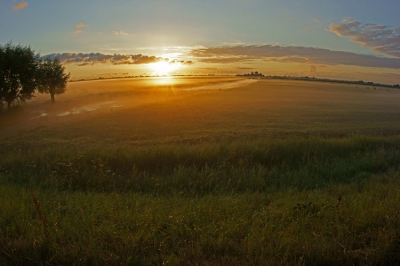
[(191, 188), (243, 202), (230, 167)]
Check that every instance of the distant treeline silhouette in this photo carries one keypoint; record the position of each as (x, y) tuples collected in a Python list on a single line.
[(359, 82), (306, 78), (252, 74)]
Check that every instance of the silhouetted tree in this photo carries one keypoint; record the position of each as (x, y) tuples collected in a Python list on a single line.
[(53, 79), (18, 73)]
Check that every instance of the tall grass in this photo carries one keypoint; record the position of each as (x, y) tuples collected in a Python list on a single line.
[(282, 201), (224, 167)]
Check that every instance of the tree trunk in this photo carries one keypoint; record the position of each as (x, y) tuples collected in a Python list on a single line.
[(9, 105), (52, 98)]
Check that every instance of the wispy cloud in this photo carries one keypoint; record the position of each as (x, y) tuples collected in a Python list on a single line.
[(316, 20), (119, 32), (82, 59), (78, 28), (183, 62), (80, 25), (381, 39), (20, 5), (290, 54)]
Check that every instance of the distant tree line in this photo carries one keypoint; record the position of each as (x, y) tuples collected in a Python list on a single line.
[(23, 72), (359, 82), (252, 74)]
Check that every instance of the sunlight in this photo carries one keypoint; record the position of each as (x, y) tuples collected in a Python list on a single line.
[(163, 68)]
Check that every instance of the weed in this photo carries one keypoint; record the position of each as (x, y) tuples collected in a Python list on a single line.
[(42, 217)]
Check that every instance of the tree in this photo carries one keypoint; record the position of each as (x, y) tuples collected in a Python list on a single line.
[(18, 73), (53, 79)]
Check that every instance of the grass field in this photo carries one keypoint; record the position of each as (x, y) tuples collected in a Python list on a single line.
[(232, 172)]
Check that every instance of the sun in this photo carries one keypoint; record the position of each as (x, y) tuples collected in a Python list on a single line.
[(163, 68)]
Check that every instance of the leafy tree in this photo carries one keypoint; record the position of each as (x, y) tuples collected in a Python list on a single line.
[(53, 79), (18, 73)]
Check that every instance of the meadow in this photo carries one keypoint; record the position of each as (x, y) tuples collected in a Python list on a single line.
[(202, 171)]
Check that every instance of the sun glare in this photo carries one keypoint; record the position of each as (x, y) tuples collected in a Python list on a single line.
[(163, 68)]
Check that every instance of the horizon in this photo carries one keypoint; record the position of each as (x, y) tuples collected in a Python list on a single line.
[(337, 40)]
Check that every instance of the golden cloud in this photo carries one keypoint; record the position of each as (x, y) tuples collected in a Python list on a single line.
[(80, 25), (82, 59), (20, 5), (78, 28)]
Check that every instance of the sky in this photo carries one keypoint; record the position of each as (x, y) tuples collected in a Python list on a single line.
[(341, 39)]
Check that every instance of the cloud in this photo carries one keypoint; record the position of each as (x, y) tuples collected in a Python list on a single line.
[(20, 5), (78, 28), (80, 25), (119, 32), (183, 62), (82, 59), (290, 54), (381, 39)]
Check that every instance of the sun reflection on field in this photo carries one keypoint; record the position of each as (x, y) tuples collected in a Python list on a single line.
[(167, 80)]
